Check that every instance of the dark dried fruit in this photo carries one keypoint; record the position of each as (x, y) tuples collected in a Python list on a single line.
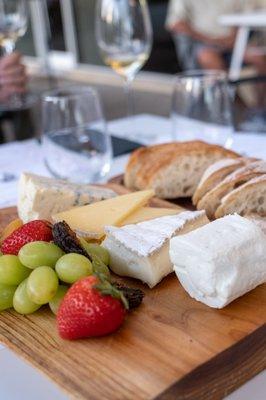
[(133, 296), (67, 240)]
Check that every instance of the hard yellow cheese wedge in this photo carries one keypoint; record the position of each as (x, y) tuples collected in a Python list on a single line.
[(89, 221), (148, 213)]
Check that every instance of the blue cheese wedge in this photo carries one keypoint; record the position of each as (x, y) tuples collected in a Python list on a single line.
[(40, 197), (222, 260), (142, 250)]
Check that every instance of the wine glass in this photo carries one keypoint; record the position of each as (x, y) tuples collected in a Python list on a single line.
[(76, 145), (124, 37), (13, 25), (202, 107)]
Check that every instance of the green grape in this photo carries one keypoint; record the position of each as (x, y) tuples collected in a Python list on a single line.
[(57, 299), (42, 285), (98, 265), (37, 254), (21, 301), (94, 249), (71, 267), (12, 272), (6, 296)]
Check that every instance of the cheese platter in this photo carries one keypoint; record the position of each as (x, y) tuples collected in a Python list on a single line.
[(184, 308)]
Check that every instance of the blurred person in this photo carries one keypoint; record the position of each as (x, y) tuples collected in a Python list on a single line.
[(13, 78), (13, 81), (201, 41)]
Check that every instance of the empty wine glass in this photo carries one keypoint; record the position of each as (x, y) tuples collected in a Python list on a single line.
[(124, 38), (13, 25), (76, 145), (202, 107)]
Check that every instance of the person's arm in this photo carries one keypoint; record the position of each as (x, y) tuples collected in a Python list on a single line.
[(13, 78), (185, 28)]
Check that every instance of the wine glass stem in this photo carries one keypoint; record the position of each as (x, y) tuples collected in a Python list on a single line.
[(8, 48), (129, 97)]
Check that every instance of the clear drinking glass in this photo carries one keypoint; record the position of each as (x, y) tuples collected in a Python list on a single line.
[(76, 145), (124, 38), (13, 25), (202, 108)]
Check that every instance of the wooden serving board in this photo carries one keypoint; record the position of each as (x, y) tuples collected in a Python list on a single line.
[(171, 348)]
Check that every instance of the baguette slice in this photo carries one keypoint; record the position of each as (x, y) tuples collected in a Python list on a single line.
[(212, 200), (216, 173), (248, 198), (173, 169)]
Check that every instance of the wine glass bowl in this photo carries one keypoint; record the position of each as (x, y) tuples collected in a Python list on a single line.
[(202, 107), (75, 142), (124, 36), (13, 23)]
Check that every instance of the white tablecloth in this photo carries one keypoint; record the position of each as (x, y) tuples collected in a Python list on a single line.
[(20, 381), (27, 156)]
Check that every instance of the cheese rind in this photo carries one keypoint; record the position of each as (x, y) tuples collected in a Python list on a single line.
[(41, 197), (142, 250), (220, 261), (89, 221)]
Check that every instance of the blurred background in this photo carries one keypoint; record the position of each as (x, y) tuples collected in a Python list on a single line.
[(59, 48)]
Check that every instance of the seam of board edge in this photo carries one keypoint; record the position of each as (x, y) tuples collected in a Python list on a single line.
[(181, 389)]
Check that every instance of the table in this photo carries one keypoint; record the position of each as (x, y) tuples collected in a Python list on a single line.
[(20, 381), (244, 22)]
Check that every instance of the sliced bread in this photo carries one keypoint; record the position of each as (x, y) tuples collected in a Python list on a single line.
[(173, 169), (215, 173), (138, 160), (212, 200), (248, 198)]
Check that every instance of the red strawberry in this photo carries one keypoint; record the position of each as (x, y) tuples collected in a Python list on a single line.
[(32, 231), (89, 309)]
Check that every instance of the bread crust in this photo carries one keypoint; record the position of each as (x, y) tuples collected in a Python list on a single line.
[(212, 200), (147, 167), (247, 199), (138, 158), (214, 175)]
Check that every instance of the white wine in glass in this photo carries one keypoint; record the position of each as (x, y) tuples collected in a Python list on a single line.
[(124, 37), (126, 65), (13, 25)]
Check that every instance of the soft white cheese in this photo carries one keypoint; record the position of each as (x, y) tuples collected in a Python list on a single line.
[(142, 250), (41, 197), (220, 261)]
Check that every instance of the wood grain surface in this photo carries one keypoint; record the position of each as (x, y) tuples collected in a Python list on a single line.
[(171, 348)]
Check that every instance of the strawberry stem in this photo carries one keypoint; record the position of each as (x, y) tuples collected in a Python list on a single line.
[(107, 289)]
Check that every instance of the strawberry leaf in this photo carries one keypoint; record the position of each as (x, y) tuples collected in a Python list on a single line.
[(107, 289)]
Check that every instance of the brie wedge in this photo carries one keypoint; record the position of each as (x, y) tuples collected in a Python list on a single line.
[(220, 261), (142, 250), (41, 197)]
